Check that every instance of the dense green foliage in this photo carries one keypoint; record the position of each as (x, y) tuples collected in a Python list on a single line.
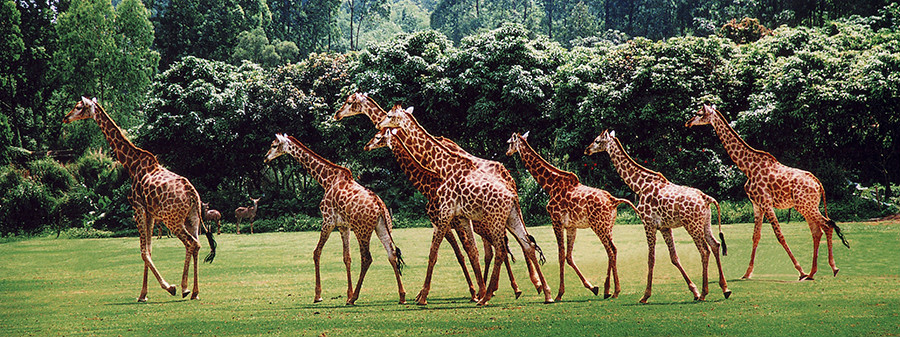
[(821, 97)]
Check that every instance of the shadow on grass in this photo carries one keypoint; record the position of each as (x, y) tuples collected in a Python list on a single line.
[(135, 302)]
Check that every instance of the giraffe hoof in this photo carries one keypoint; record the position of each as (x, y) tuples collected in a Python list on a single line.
[(171, 290), (184, 293), (727, 294), (605, 296), (142, 299), (596, 291), (836, 271), (317, 300), (518, 293), (549, 301)]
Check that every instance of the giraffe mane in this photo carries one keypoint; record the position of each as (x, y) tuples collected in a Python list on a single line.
[(743, 142), (320, 158), (439, 143), (646, 170), (568, 175), (128, 141), (416, 163)]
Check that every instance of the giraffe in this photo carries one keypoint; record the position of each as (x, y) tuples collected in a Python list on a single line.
[(211, 215), (470, 193), (571, 206), (360, 103), (663, 206), (773, 185), (348, 206), (156, 194), (427, 182), (241, 213)]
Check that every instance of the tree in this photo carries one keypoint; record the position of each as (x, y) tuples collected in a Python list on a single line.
[(362, 10), (137, 62), (85, 61), (11, 49)]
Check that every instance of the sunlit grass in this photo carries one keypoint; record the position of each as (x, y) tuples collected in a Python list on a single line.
[(263, 284)]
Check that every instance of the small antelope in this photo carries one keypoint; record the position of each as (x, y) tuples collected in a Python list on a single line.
[(211, 215), (246, 213)]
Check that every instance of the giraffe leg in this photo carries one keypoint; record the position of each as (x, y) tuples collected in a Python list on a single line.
[(365, 261), (516, 226), (437, 237), (147, 235), (651, 258), (570, 247), (561, 254), (828, 233), (714, 245), (462, 261), (468, 242), (509, 271), (758, 216), (776, 227), (495, 275), (703, 248), (238, 225), (218, 226), (384, 236), (488, 255), (139, 218), (345, 240), (327, 227), (611, 267), (673, 256)]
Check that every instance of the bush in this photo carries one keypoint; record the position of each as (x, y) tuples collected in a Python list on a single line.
[(25, 205)]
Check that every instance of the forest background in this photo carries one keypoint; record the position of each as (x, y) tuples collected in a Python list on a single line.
[(205, 85)]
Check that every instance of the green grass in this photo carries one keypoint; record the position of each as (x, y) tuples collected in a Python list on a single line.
[(263, 284)]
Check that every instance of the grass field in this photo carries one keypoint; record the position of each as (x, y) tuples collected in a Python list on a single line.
[(263, 285)]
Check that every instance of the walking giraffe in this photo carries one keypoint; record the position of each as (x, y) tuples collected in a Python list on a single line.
[(156, 194), (348, 206), (359, 103), (662, 206), (427, 182), (469, 193), (773, 185), (572, 205)]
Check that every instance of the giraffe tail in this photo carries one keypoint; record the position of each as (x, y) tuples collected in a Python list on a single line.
[(837, 230), (710, 200), (620, 201), (389, 223), (209, 237)]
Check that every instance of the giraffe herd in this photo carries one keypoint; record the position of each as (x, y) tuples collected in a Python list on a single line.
[(470, 195)]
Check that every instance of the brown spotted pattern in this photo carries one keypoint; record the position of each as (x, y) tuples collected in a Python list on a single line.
[(348, 206), (359, 103), (157, 194), (469, 193), (571, 206), (772, 185), (663, 206)]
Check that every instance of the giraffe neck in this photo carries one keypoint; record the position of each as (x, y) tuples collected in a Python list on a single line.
[(324, 171), (431, 153), (136, 160), (637, 177), (551, 179), (423, 179), (374, 111), (740, 152)]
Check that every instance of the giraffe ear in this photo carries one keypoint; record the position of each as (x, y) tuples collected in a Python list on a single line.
[(86, 101), (525, 136), (612, 134), (409, 110)]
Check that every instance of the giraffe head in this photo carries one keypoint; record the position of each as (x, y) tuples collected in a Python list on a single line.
[(395, 117), (354, 105), (516, 142), (277, 148), (85, 108), (703, 116), (381, 139), (602, 143)]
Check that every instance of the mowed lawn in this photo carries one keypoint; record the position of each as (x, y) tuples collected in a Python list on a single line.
[(263, 284)]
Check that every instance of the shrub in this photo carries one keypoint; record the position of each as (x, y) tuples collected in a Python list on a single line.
[(25, 206)]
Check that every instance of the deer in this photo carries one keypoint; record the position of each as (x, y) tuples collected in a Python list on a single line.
[(246, 213), (211, 215)]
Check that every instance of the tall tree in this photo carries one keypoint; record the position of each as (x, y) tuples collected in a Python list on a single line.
[(137, 61), (84, 62), (360, 12), (11, 49)]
